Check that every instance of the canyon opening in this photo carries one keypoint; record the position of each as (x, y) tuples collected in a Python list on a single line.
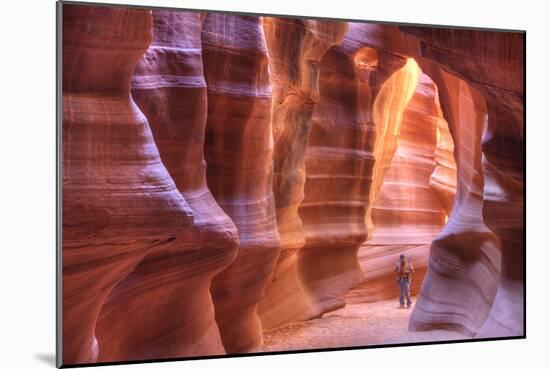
[(238, 184)]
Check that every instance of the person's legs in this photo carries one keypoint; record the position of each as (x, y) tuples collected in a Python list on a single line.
[(401, 292), (408, 290)]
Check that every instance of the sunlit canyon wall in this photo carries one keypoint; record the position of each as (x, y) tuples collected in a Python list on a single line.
[(224, 175), (407, 213)]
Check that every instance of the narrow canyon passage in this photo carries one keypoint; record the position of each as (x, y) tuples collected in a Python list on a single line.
[(236, 183), (407, 213), (412, 206)]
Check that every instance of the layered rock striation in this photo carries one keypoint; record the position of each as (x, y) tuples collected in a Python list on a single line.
[(407, 213), (363, 93), (492, 63), (119, 201), (443, 178), (221, 173), (239, 153), (295, 49), (464, 258), (164, 309)]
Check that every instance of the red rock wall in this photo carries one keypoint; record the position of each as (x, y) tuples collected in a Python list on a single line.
[(362, 97), (119, 202), (480, 61), (504, 191), (464, 259), (443, 179), (289, 143), (295, 48), (406, 214), (493, 63), (239, 153), (148, 314)]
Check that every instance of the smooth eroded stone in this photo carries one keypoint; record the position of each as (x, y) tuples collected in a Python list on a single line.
[(119, 201), (163, 309), (363, 93), (239, 156), (407, 214), (295, 48), (493, 63), (443, 179), (464, 260)]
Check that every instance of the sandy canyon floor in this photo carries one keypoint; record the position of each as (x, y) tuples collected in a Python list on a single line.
[(356, 325)]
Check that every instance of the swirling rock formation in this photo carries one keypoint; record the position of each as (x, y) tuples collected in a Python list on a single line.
[(352, 124), (295, 48), (163, 309), (464, 261), (239, 153), (119, 202), (289, 149), (443, 179), (407, 214), (493, 63), (504, 191)]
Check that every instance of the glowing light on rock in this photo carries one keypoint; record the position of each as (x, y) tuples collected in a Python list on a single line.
[(388, 110)]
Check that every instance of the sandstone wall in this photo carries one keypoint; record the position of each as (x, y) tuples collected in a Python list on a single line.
[(163, 309), (464, 258), (295, 49), (221, 172), (119, 201), (493, 63), (363, 93), (407, 214), (239, 153)]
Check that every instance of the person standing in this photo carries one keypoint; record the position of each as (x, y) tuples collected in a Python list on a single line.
[(404, 270)]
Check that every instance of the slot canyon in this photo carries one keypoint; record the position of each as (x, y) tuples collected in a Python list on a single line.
[(347, 145)]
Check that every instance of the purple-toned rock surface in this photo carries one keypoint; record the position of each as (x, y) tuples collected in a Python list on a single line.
[(119, 202), (224, 175), (163, 309), (295, 49), (239, 156)]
